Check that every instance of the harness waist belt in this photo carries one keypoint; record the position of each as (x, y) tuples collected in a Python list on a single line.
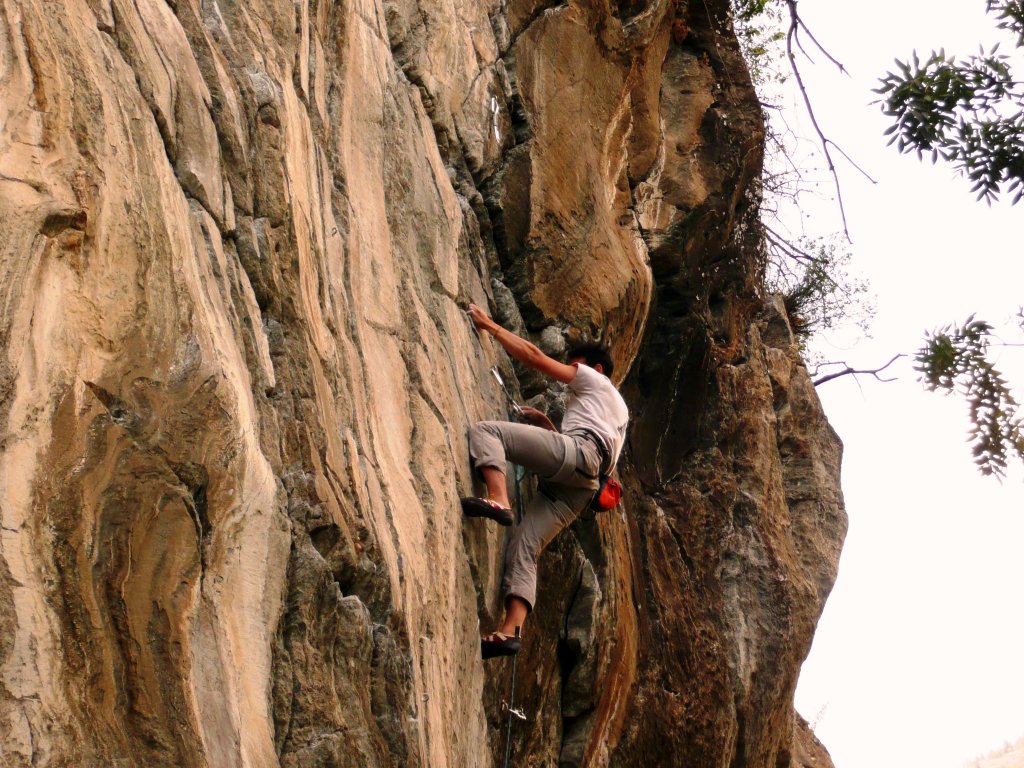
[(602, 449)]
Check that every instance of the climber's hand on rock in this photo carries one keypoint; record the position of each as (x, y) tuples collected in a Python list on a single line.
[(480, 318)]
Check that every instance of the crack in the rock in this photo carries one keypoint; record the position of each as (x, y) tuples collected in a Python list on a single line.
[(32, 59), (36, 185), (538, 13), (159, 119)]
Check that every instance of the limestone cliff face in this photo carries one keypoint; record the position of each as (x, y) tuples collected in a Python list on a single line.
[(236, 239)]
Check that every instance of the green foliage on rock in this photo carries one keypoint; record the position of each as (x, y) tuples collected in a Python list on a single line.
[(810, 273), (758, 25)]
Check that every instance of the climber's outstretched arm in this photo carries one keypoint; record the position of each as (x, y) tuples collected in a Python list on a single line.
[(521, 349)]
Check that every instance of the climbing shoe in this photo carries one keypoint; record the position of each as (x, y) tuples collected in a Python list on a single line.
[(476, 507), (497, 644)]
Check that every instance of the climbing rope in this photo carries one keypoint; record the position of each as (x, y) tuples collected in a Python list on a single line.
[(513, 411), (512, 711)]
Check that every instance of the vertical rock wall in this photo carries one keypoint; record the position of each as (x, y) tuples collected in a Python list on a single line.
[(235, 381)]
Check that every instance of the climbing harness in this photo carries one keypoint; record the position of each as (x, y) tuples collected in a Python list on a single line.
[(520, 473)]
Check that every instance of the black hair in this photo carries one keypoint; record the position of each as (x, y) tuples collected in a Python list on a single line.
[(593, 355)]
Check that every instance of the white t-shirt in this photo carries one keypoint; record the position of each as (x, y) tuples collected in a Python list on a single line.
[(595, 404)]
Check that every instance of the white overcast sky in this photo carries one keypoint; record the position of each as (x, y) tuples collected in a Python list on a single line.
[(918, 658)]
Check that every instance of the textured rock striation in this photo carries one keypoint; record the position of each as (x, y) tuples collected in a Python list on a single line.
[(236, 239)]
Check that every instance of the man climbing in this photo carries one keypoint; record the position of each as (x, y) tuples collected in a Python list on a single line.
[(568, 463)]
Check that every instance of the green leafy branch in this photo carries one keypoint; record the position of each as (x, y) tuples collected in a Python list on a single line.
[(955, 359), (968, 112), (1010, 15)]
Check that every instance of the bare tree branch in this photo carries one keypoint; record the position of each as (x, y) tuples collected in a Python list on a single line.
[(786, 246), (849, 371), (795, 25), (800, 45), (851, 161), (814, 40)]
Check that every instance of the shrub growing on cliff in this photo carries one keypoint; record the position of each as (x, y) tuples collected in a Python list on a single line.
[(759, 31), (813, 277), (968, 112), (811, 273)]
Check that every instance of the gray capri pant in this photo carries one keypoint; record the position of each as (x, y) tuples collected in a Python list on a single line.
[(568, 467)]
